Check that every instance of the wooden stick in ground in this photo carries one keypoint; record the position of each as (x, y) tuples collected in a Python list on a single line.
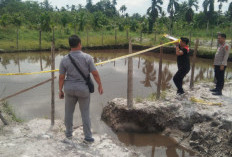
[(141, 37), (40, 34), (193, 64), (17, 40), (115, 38), (25, 90), (127, 34), (155, 35), (3, 119), (130, 79), (212, 41), (52, 82), (160, 73), (87, 38), (102, 40)]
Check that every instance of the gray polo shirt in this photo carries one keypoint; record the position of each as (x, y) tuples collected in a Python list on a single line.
[(74, 81), (222, 55)]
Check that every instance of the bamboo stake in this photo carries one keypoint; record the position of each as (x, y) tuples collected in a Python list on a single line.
[(130, 79), (52, 83)]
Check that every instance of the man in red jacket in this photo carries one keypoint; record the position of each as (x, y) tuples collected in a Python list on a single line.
[(183, 63)]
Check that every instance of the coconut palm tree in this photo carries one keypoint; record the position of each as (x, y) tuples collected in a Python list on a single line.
[(220, 5), (208, 6), (173, 7), (189, 13), (153, 12), (123, 9)]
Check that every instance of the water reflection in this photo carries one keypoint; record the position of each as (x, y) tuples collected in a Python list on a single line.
[(150, 73), (166, 78), (167, 146)]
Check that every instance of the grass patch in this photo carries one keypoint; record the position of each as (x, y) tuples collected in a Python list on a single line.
[(138, 100), (152, 97), (7, 109)]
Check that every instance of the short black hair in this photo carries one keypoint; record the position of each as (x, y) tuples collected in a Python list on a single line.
[(186, 40), (74, 41), (222, 35)]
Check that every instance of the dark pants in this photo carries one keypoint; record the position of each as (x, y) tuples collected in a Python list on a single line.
[(219, 76), (178, 79)]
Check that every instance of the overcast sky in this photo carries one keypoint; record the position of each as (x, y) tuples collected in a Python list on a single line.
[(133, 6)]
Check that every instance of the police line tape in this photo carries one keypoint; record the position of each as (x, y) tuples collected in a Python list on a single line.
[(97, 64), (201, 101)]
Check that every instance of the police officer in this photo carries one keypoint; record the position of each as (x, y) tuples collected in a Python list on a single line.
[(220, 63)]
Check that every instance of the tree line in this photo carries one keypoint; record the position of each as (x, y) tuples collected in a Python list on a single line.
[(104, 16)]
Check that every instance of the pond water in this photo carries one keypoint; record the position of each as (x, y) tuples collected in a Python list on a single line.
[(36, 102)]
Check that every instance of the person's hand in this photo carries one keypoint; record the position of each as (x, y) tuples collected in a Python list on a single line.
[(61, 94), (222, 67), (100, 89)]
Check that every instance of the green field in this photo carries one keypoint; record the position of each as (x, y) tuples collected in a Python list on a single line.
[(29, 39)]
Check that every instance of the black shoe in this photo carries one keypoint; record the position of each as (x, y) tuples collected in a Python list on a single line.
[(217, 93), (89, 140), (213, 90)]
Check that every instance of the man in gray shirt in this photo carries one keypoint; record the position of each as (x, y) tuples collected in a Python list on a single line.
[(220, 63), (75, 87)]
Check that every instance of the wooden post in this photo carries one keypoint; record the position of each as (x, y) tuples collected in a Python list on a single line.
[(18, 63), (193, 64), (41, 63), (212, 41), (87, 38), (40, 34), (141, 37), (52, 82), (127, 34), (115, 36), (102, 39), (17, 42), (130, 79), (160, 73), (155, 35)]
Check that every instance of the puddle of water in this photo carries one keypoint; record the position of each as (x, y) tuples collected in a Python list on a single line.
[(154, 145), (36, 102)]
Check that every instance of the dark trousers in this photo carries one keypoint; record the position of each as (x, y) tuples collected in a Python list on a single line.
[(219, 76), (178, 79)]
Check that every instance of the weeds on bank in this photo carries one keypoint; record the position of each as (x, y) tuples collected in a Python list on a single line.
[(7, 109)]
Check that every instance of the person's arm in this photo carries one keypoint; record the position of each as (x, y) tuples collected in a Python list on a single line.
[(61, 84), (62, 72), (178, 51), (225, 58), (98, 80)]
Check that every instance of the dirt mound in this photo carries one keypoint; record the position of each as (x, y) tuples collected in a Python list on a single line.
[(199, 126)]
